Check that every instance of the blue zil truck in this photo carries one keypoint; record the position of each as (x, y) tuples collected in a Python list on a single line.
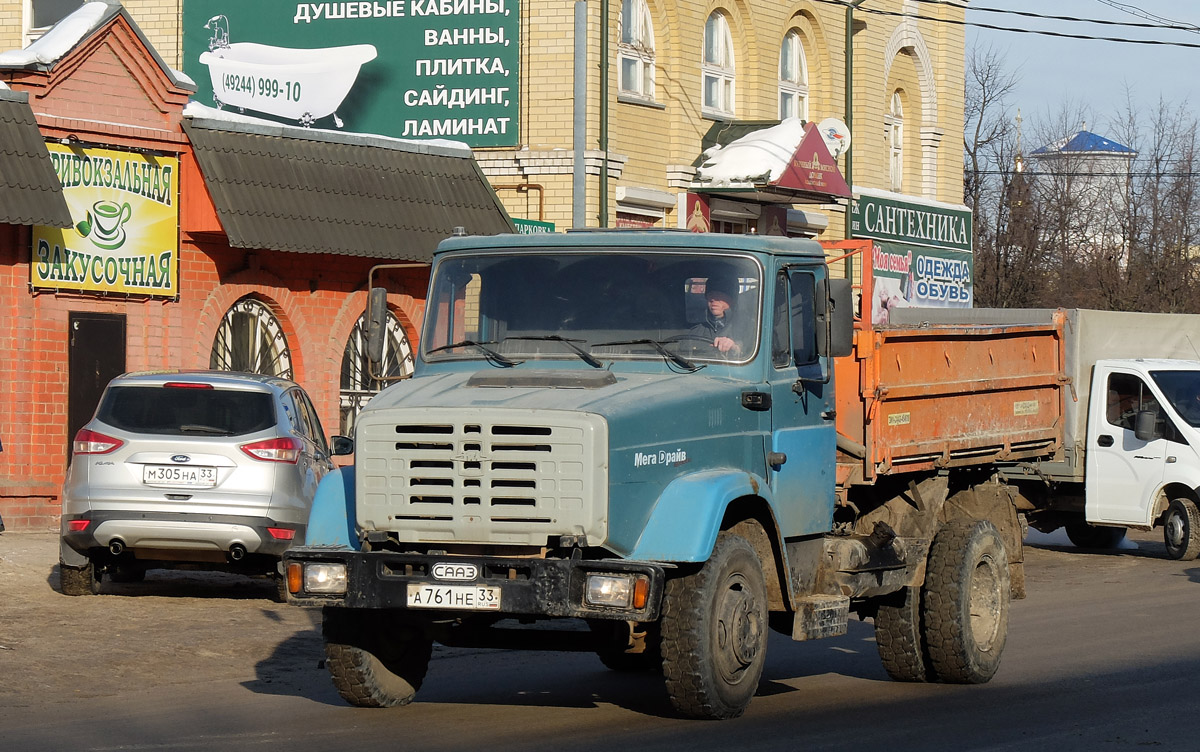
[(593, 455)]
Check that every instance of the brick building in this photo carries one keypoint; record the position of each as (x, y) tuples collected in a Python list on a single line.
[(136, 236)]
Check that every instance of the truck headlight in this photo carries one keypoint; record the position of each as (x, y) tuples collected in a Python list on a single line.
[(617, 590), (321, 577)]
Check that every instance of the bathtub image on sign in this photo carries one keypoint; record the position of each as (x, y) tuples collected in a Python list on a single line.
[(297, 84)]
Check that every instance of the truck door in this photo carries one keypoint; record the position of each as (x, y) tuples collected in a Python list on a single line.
[(1122, 472), (802, 429)]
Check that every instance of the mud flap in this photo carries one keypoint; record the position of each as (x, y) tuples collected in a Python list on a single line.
[(819, 616)]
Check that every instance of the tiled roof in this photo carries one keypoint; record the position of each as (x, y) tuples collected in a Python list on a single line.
[(289, 189), (1085, 142), (30, 193)]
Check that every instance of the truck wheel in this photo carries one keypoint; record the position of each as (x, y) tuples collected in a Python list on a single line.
[(899, 640), (373, 664), (1181, 530), (1086, 535), (714, 632), (965, 601), (79, 580)]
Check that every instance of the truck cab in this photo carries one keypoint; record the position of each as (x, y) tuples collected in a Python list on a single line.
[(1142, 463)]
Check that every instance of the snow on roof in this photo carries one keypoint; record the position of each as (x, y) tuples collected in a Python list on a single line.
[(763, 152), (1084, 142), (182, 77), (62, 37), (246, 123)]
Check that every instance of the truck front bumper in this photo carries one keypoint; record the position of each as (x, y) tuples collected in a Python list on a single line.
[(524, 586)]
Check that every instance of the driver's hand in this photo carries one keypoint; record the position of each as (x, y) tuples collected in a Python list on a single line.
[(725, 345)]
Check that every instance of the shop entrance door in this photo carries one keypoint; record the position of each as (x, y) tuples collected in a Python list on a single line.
[(95, 354)]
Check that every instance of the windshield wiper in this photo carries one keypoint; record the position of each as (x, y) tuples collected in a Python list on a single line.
[(192, 428), (584, 355), (491, 355), (675, 358)]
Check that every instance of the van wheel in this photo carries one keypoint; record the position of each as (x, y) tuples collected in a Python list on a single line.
[(899, 640), (714, 632), (79, 580), (373, 663), (965, 601), (1086, 535), (1181, 530)]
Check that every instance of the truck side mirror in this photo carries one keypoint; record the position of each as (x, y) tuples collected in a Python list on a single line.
[(841, 318), (342, 445), (1144, 425), (376, 325)]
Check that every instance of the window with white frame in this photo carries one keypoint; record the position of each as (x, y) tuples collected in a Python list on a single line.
[(793, 78), (40, 15), (895, 125), (636, 50), (717, 68)]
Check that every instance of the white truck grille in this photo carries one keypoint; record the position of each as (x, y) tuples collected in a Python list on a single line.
[(499, 476)]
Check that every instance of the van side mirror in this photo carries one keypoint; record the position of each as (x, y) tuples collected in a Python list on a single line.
[(841, 318), (1144, 425), (376, 325)]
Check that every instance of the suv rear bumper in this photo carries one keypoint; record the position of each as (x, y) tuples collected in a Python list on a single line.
[(528, 587), (181, 532)]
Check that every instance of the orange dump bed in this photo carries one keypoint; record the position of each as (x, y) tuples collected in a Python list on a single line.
[(948, 395)]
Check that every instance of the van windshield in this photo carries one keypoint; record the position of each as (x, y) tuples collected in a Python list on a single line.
[(594, 305), (186, 412), (1182, 388)]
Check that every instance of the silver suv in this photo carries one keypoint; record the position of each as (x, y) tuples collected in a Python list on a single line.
[(200, 469)]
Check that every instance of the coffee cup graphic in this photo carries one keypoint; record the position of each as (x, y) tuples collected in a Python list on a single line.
[(106, 223)]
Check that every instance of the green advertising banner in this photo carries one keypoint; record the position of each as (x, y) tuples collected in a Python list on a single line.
[(415, 69), (911, 222)]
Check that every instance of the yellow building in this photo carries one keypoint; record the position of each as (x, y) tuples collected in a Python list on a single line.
[(682, 71)]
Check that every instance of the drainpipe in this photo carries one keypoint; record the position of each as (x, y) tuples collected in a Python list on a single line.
[(579, 135), (849, 170), (604, 113)]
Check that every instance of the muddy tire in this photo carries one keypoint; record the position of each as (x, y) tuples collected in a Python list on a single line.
[(1181, 530), (1086, 535), (714, 632), (965, 601), (899, 639), (373, 663), (79, 580)]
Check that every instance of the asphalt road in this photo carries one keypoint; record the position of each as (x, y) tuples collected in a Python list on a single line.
[(1102, 655)]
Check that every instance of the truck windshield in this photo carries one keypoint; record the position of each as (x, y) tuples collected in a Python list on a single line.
[(594, 306), (1182, 388)]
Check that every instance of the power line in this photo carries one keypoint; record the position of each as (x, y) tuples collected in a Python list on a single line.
[(993, 27), (1141, 13), (1164, 25)]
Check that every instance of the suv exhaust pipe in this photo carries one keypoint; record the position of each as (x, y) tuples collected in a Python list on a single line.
[(116, 546), (237, 552)]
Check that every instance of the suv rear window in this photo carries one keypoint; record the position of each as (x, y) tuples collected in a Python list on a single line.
[(186, 412)]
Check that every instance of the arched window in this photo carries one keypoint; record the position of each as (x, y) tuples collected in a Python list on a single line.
[(359, 380), (717, 68), (251, 339), (895, 125), (793, 78), (636, 50)]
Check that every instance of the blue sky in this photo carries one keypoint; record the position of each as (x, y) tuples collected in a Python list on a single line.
[(1093, 74)]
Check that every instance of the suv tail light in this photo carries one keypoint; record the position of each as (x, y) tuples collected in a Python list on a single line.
[(91, 442), (275, 450)]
